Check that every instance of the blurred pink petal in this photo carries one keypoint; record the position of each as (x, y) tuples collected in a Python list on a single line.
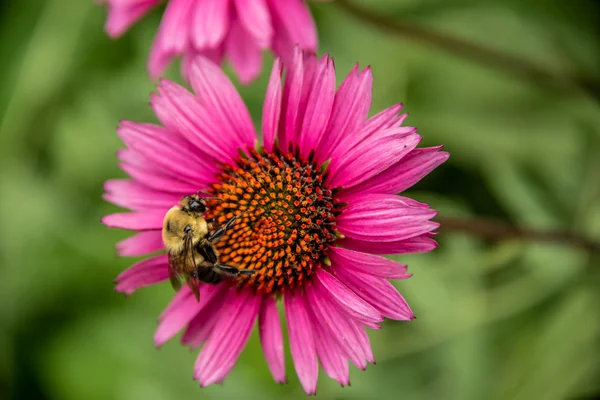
[(238, 30)]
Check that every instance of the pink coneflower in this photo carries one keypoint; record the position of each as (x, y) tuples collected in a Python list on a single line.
[(317, 200), (237, 29)]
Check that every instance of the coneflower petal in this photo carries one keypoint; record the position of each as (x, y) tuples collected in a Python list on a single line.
[(271, 339)]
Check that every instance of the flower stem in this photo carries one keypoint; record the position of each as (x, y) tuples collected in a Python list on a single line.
[(495, 229), (505, 62)]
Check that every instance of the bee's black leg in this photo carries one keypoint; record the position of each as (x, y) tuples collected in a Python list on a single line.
[(218, 234), (207, 252), (233, 270)]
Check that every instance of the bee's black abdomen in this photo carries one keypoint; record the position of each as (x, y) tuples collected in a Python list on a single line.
[(209, 275)]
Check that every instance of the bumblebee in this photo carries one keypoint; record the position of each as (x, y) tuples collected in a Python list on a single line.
[(190, 242)]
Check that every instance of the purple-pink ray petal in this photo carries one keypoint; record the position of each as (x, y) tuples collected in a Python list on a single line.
[(350, 110), (140, 244), (380, 293), (376, 154), (136, 221), (381, 122), (130, 194), (271, 339), (318, 106), (181, 310), (347, 299), (176, 316), (332, 357), (292, 94), (227, 339), (417, 244), (160, 148), (148, 175), (386, 218), (272, 106), (200, 327), (302, 342), (221, 100), (367, 263), (352, 339), (405, 173), (145, 273), (181, 111)]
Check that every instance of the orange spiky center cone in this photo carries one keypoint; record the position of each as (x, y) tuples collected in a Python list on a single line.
[(286, 219)]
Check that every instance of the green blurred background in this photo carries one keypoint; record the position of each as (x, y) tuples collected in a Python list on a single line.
[(504, 319)]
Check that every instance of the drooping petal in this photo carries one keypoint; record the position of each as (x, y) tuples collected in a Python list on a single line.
[(200, 327), (145, 273), (140, 244), (386, 218), (211, 21), (177, 315), (255, 19), (121, 15), (221, 100), (350, 110), (271, 339), (332, 357), (405, 173), (244, 53), (351, 338), (228, 338), (136, 221), (376, 154), (302, 342), (417, 244), (272, 106), (347, 299), (367, 263), (376, 291), (182, 309)]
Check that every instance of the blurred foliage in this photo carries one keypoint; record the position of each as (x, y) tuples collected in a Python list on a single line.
[(505, 320)]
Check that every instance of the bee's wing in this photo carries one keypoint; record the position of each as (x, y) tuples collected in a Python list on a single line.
[(175, 276), (190, 261)]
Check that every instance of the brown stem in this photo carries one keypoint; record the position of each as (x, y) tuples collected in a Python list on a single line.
[(494, 229), (496, 59)]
